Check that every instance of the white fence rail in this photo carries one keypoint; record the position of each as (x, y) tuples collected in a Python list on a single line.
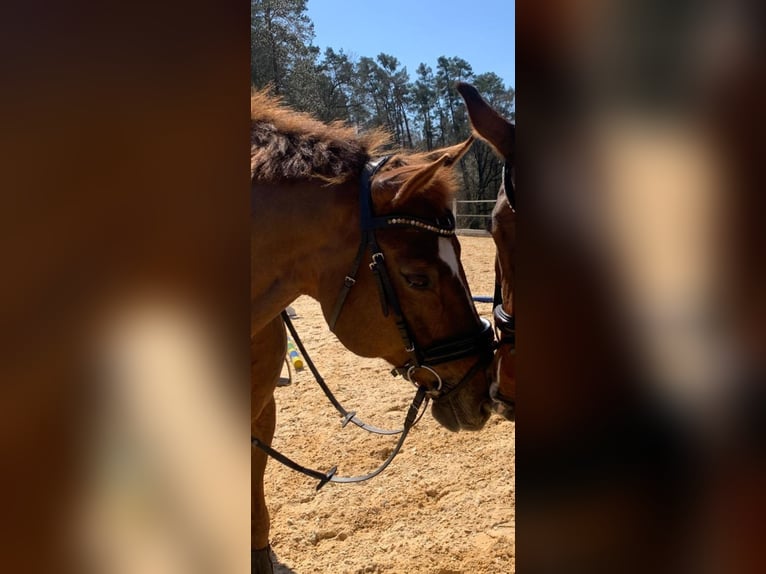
[(464, 220)]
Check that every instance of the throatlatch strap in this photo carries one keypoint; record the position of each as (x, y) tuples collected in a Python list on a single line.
[(348, 283)]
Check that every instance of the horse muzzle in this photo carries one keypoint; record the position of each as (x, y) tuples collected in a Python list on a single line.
[(501, 405)]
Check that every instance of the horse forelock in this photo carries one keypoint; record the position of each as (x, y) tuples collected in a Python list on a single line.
[(286, 145)]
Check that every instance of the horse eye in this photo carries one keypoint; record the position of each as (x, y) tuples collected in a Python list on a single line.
[(417, 281)]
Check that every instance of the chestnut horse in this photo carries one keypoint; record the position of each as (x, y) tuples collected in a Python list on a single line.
[(373, 241), (501, 135)]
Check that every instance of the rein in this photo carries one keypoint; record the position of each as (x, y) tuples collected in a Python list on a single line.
[(329, 476), (347, 416)]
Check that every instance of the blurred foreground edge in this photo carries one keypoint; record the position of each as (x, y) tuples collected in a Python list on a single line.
[(125, 248), (641, 298)]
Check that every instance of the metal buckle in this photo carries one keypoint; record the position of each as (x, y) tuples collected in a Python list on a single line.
[(408, 376), (349, 281), (377, 258)]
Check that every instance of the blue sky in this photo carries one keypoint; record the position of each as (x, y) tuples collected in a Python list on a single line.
[(482, 32)]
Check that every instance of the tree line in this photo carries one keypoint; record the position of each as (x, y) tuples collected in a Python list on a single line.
[(421, 113)]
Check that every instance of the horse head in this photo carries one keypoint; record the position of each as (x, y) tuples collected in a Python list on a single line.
[(501, 135), (412, 305)]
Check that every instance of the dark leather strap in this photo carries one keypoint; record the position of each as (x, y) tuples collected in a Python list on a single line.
[(322, 477), (348, 283), (347, 416), (454, 350), (390, 302), (506, 324), (365, 214), (481, 362), (383, 294), (410, 419)]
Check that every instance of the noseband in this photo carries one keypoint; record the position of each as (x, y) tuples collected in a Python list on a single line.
[(420, 359), (505, 325)]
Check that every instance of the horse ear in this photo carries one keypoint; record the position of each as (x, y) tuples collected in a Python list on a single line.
[(491, 126), (457, 151), (422, 177)]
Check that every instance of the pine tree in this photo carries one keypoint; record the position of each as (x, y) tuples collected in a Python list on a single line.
[(280, 39)]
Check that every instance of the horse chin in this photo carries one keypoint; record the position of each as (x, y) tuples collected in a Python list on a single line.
[(504, 408), (454, 417)]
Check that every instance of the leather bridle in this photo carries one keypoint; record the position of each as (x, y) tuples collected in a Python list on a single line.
[(480, 343)]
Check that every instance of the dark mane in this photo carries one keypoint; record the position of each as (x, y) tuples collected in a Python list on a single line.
[(285, 144)]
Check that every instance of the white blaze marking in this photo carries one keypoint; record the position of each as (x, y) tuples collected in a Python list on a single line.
[(448, 255)]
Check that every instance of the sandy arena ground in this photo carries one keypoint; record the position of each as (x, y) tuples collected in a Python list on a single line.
[(444, 506)]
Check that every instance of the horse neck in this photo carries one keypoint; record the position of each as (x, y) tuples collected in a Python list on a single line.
[(303, 234), (506, 287), (504, 272)]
